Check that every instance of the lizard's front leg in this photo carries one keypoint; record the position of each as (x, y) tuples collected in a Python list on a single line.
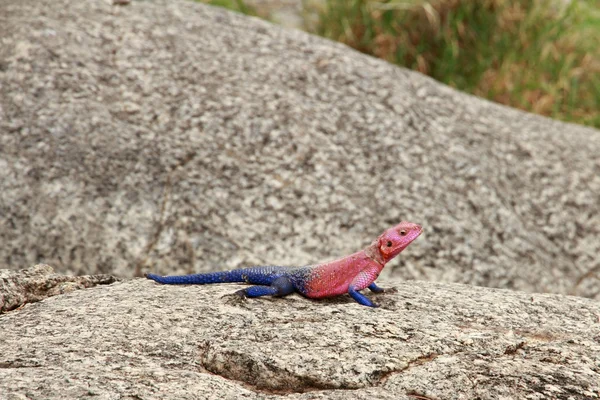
[(375, 289), (361, 298), (364, 279)]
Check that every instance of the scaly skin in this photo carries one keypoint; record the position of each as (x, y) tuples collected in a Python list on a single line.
[(349, 274)]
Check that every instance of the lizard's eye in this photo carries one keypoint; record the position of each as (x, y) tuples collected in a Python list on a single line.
[(402, 232), (389, 243)]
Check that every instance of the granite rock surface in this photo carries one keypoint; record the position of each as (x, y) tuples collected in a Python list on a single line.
[(136, 339), (173, 137)]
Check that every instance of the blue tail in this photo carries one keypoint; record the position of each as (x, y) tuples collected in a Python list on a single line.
[(256, 275), (196, 279)]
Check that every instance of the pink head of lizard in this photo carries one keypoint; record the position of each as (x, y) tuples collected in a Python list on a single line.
[(360, 269), (391, 242)]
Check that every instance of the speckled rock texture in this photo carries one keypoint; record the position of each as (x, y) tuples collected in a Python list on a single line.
[(38, 282), (173, 137), (140, 340)]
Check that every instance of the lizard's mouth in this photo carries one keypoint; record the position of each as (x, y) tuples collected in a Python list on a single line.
[(419, 231)]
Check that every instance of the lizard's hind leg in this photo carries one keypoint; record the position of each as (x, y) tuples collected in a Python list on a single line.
[(280, 287)]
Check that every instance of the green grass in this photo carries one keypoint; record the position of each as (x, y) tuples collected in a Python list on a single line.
[(233, 5), (541, 56)]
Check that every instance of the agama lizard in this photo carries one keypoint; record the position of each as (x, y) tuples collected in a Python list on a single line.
[(345, 275)]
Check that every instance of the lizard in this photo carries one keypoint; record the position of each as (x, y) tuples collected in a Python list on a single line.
[(349, 274)]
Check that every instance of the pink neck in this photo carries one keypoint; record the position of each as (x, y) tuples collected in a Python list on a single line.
[(374, 254)]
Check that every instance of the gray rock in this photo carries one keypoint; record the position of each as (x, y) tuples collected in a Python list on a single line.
[(40, 281), (137, 339), (174, 137)]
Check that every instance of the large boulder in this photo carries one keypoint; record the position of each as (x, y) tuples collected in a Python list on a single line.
[(170, 136), (174, 137), (137, 339)]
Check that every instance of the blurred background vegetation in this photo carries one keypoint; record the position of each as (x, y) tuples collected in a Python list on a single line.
[(541, 56)]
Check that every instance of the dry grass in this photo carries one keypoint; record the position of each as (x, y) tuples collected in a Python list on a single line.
[(540, 56)]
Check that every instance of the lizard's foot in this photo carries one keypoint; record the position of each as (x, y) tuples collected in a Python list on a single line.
[(375, 289), (236, 298), (360, 298), (387, 290)]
